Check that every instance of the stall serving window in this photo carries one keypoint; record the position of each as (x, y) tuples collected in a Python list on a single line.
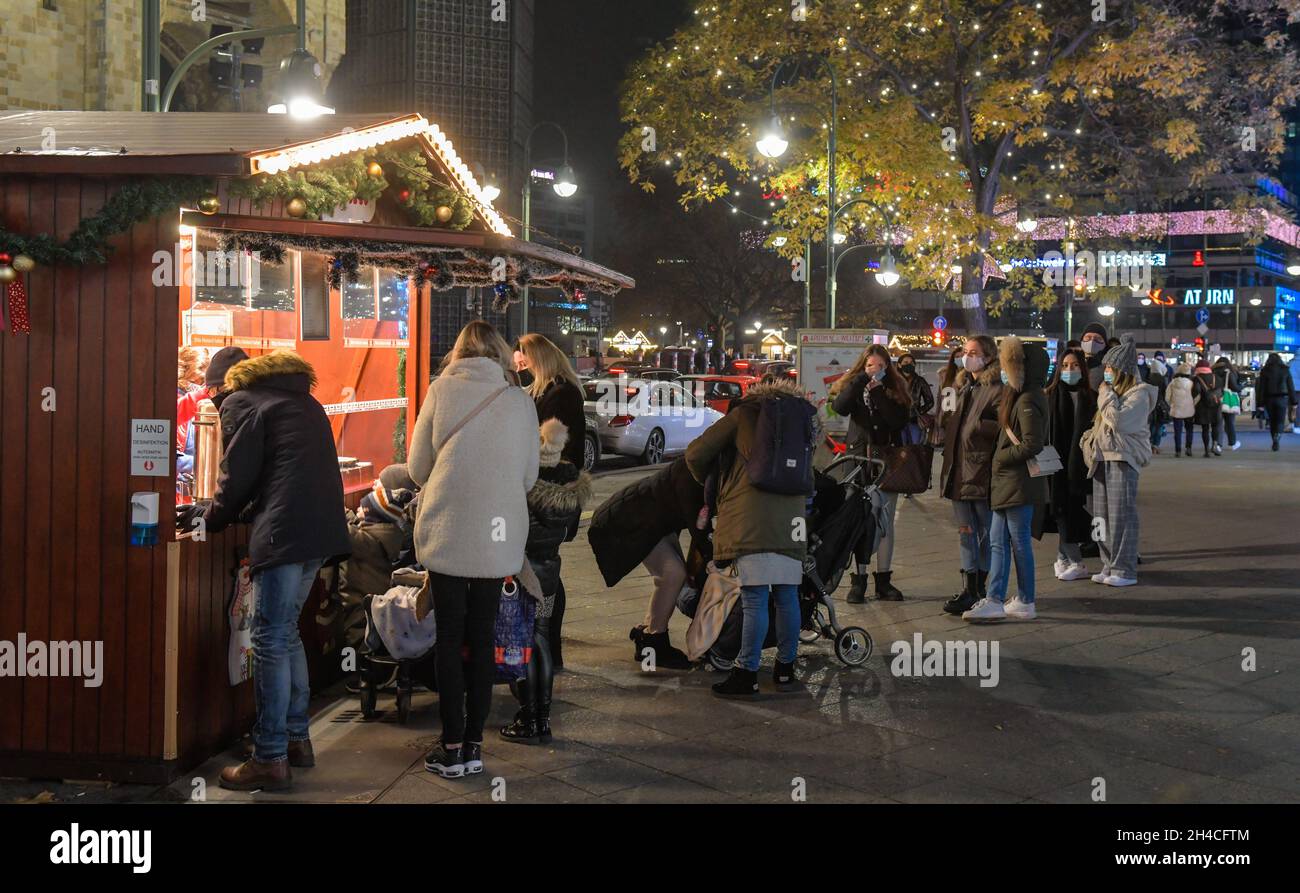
[(376, 309), (236, 300)]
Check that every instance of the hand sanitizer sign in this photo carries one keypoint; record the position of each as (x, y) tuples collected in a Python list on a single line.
[(151, 447)]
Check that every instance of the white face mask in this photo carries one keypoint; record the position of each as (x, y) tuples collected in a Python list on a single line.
[(973, 364), (1093, 347)]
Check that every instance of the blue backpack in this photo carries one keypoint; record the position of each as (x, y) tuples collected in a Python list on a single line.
[(781, 458)]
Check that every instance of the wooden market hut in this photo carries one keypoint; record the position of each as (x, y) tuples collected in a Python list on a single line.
[(107, 221)]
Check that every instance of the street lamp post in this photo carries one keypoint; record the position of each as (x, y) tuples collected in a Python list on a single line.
[(773, 145), (565, 185)]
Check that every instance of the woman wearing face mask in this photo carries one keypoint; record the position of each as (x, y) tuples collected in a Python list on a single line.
[(922, 398), (970, 433), (1115, 449), (1071, 404), (878, 402), (1014, 494), (1093, 343)]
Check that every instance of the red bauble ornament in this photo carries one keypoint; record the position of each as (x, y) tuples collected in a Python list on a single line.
[(404, 195), (4, 258)]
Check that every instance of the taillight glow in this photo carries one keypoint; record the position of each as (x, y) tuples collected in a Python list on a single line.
[(621, 421)]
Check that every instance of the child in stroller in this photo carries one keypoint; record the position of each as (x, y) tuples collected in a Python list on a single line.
[(843, 509)]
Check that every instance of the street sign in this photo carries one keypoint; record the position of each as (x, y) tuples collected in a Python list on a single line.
[(1202, 328), (1202, 316), (940, 323)]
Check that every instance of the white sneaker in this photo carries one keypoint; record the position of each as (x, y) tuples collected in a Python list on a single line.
[(1074, 572), (1100, 578), (1114, 580), (1060, 566), (1018, 610), (1237, 445), (985, 609)]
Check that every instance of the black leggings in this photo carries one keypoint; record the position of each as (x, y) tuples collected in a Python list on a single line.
[(1277, 412), (466, 614), (554, 621), (541, 671), (1210, 433)]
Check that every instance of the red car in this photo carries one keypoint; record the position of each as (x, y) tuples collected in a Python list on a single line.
[(718, 390)]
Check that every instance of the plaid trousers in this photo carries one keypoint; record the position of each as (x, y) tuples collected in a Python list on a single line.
[(1114, 499)]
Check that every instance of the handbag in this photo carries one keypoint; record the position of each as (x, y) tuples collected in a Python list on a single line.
[(513, 636), (1231, 403), (720, 594), (907, 468), (1048, 461)]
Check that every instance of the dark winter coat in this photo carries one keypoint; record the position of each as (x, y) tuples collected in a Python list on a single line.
[(1274, 382), (628, 525), (1209, 409), (876, 419), (1025, 364), (1069, 487), (922, 395), (279, 467), (555, 504), (970, 435), (564, 401), (749, 520)]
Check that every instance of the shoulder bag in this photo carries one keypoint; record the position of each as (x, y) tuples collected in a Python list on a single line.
[(1046, 462)]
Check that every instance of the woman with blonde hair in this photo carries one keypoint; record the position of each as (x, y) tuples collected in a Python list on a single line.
[(878, 402), (1116, 448), (558, 394), (474, 454)]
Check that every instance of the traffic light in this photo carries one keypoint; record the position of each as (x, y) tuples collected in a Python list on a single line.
[(936, 338), (1200, 343)]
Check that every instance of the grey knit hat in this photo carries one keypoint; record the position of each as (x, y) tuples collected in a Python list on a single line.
[(1123, 357)]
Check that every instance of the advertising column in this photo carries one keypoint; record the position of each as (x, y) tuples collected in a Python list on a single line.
[(825, 355)]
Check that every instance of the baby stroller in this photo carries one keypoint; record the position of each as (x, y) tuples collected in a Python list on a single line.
[(376, 665), (843, 512)]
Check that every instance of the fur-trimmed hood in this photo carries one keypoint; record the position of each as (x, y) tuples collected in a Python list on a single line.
[(1024, 362), (250, 372), (780, 388), (555, 497)]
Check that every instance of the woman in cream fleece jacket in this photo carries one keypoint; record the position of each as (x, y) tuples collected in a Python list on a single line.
[(471, 526)]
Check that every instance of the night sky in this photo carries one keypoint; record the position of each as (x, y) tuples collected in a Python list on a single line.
[(581, 54)]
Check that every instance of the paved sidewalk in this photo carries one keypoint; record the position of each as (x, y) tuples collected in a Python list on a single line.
[(1141, 691)]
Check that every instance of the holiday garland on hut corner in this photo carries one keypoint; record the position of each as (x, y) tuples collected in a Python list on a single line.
[(89, 243), (443, 268), (325, 187)]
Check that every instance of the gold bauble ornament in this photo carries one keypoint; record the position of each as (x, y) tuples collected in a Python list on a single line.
[(209, 204), (375, 169), (296, 207), (7, 274), (444, 213), (24, 264)]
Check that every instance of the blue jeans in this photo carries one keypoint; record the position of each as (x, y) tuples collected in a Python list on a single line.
[(279, 662), (753, 633), (977, 517), (1157, 432), (1012, 531)]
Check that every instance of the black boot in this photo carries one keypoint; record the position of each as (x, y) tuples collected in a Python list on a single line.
[(1275, 443), (886, 591), (666, 657), (740, 684), (969, 595), (544, 721), (637, 636), (783, 676), (524, 728), (858, 591)]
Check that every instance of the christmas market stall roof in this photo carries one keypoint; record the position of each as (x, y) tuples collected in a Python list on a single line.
[(239, 147)]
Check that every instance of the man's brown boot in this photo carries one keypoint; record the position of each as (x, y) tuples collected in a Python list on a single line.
[(252, 775), (301, 756)]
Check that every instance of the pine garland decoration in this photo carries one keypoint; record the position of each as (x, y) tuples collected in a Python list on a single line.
[(135, 202)]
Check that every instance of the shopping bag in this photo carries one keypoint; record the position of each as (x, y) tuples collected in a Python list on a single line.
[(514, 631), (239, 655), (1231, 403), (907, 468), (720, 594)]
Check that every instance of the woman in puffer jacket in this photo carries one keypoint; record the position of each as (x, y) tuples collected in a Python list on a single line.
[(1116, 448), (1181, 394), (555, 504)]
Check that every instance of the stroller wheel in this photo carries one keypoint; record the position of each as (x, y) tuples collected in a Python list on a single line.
[(853, 646), (403, 705), (718, 664)]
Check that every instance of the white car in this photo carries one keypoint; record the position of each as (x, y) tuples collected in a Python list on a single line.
[(646, 419)]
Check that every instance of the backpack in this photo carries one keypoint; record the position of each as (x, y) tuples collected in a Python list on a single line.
[(781, 459)]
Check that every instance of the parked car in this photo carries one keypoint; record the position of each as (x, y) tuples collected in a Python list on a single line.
[(643, 417), (758, 368), (718, 390), (652, 373)]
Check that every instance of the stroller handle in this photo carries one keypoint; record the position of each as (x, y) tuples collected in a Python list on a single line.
[(858, 462)]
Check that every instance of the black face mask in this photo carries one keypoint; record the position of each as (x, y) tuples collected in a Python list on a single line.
[(908, 369), (219, 398)]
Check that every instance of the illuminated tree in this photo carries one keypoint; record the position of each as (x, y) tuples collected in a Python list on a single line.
[(954, 114)]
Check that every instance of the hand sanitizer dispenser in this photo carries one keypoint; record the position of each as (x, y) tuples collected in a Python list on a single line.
[(144, 518)]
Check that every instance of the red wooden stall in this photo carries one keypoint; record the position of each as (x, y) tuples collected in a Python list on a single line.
[(101, 353)]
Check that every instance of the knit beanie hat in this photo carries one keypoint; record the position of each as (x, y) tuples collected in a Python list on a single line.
[(1123, 356), (1096, 328), (1203, 367), (396, 477), (221, 363), (385, 506)]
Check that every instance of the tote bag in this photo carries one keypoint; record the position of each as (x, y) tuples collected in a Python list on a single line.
[(720, 594), (907, 468)]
